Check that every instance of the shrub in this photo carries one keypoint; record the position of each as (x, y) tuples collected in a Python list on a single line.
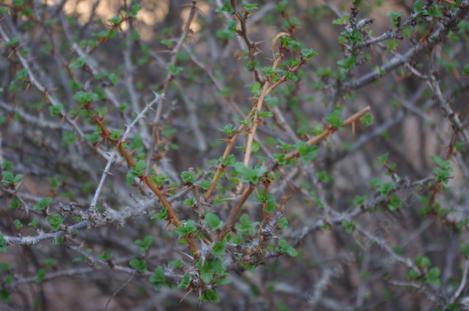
[(281, 155)]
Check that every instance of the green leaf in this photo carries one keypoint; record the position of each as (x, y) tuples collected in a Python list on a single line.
[(343, 20), (412, 274), (466, 70), (106, 256), (3, 10), (56, 110), (161, 215), (159, 179), (139, 168), (134, 10), (309, 53), (348, 226), (210, 295), (256, 89), (213, 221), (4, 293), (285, 248), (394, 203), (10, 179), (423, 262), (283, 223), (115, 135), (204, 184), (245, 226), (144, 244), (42, 204), (219, 248), (334, 119), (419, 7), (138, 264), (187, 227), (15, 203), (174, 70), (367, 119), (55, 220), (189, 202), (433, 277), (229, 130), (82, 97), (78, 63), (187, 177), (185, 281), (94, 137), (167, 42), (158, 279), (248, 174), (307, 152), (384, 188), (176, 264), (3, 244), (40, 275), (395, 18), (249, 7), (211, 269), (443, 169), (69, 138)]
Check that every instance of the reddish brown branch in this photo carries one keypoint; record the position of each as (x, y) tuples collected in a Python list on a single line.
[(172, 217), (235, 212)]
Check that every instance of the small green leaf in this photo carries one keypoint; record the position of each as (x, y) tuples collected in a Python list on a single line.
[(433, 277), (56, 110), (4, 293), (245, 226), (423, 262), (185, 281), (144, 244), (82, 97), (285, 248), (343, 20), (138, 264), (249, 7), (334, 119), (309, 53), (174, 70), (3, 244), (443, 169), (249, 174), (218, 248), (307, 152), (187, 177), (115, 135), (139, 168), (42, 204), (213, 221), (106, 256), (367, 119), (210, 295), (466, 70), (10, 179), (134, 10), (229, 130), (40, 275), (256, 89), (187, 227), (55, 220), (158, 279)]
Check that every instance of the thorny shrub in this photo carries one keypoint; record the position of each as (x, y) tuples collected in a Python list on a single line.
[(259, 155)]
